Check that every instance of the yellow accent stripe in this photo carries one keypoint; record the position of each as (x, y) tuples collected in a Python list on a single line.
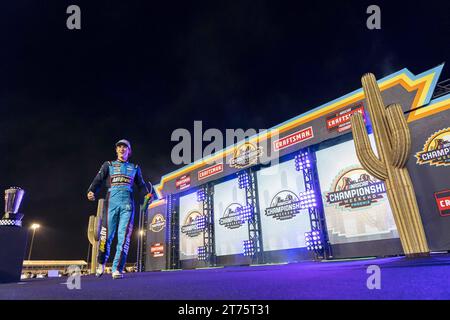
[(429, 110), (157, 203)]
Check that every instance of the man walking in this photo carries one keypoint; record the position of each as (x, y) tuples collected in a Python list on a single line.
[(120, 175)]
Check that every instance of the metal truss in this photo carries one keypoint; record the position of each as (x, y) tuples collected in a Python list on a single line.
[(172, 232), (442, 88), (254, 223), (208, 234), (316, 214)]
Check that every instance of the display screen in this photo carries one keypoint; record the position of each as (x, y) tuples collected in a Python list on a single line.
[(230, 231), (190, 236), (283, 223), (355, 203)]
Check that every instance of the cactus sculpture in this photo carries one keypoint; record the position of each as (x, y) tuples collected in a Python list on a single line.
[(95, 223), (393, 143)]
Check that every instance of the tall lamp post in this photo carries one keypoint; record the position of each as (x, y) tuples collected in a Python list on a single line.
[(34, 226), (139, 257)]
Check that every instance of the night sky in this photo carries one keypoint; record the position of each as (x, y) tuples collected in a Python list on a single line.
[(140, 69)]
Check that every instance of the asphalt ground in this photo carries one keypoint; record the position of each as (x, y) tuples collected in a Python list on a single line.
[(399, 278)]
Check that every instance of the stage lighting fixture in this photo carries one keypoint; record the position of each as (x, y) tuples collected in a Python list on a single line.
[(249, 248), (243, 180), (307, 199), (200, 222), (201, 253), (313, 240), (201, 195), (302, 161), (246, 213)]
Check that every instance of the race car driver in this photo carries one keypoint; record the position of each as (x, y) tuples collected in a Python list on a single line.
[(120, 175)]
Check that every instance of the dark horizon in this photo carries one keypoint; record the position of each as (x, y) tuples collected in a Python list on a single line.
[(140, 70)]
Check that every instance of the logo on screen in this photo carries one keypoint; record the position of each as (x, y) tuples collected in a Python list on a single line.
[(285, 205), (355, 188), (158, 223), (232, 217), (245, 155), (436, 150), (190, 226)]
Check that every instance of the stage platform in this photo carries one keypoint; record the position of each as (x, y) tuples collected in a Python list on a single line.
[(401, 278)]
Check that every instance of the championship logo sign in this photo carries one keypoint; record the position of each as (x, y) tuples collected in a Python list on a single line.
[(284, 205), (436, 150), (190, 226), (158, 223), (355, 188), (340, 121), (245, 155), (443, 202), (232, 217)]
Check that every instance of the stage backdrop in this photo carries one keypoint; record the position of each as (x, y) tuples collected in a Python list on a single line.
[(229, 230), (358, 216), (156, 247), (429, 168), (190, 237), (283, 226)]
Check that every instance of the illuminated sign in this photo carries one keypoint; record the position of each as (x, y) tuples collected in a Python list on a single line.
[(232, 217), (355, 188), (294, 138), (183, 182), (158, 223), (210, 171), (436, 150), (245, 155), (190, 226), (157, 250), (443, 202), (340, 121), (285, 205)]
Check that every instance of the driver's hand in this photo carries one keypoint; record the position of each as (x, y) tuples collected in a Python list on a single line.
[(91, 196)]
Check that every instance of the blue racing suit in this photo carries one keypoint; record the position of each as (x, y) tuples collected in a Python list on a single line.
[(120, 177)]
